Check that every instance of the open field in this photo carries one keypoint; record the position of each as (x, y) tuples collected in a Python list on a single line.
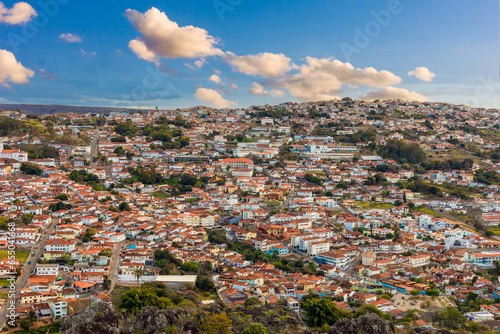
[(369, 205), (21, 255), (159, 194)]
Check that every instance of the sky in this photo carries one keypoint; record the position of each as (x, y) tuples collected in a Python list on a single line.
[(237, 53)]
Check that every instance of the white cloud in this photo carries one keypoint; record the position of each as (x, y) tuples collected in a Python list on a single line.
[(200, 63), (141, 50), (215, 78), (213, 98), (162, 37), (324, 78), (92, 53), (393, 93), (20, 13), (71, 38), (265, 64), (12, 71), (234, 86), (258, 89), (422, 73)]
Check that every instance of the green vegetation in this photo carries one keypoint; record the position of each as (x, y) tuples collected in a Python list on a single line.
[(82, 176), (126, 128), (369, 205), (31, 169), (313, 179), (159, 194), (21, 255), (402, 152)]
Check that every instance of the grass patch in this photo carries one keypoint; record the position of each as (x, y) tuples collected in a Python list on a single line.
[(52, 329), (4, 294), (429, 211), (369, 205), (159, 194), (494, 230), (4, 282), (21, 255)]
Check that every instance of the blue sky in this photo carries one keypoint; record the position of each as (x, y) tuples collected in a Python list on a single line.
[(456, 41)]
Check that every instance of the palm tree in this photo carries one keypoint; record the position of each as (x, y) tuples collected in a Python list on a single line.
[(138, 273)]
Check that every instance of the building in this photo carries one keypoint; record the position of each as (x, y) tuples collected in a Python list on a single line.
[(47, 269)]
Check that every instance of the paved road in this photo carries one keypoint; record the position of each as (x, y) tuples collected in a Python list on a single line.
[(29, 267), (115, 261)]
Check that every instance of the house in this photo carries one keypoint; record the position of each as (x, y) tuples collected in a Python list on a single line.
[(47, 269), (59, 307)]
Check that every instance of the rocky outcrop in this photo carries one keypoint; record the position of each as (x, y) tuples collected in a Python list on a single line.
[(428, 331), (102, 318), (98, 318), (366, 324)]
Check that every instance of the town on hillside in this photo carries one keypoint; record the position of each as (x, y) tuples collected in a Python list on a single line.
[(387, 206)]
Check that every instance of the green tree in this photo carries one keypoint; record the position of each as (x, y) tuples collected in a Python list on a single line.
[(414, 292), (212, 323), (134, 300), (124, 206), (255, 328), (138, 273), (432, 292), (31, 169), (252, 301), (62, 197), (322, 311), (451, 318)]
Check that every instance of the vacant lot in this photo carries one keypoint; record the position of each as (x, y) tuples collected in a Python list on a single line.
[(21, 255)]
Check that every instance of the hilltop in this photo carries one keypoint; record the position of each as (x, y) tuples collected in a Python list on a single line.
[(43, 109)]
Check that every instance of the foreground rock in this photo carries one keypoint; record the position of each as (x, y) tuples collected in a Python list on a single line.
[(102, 318), (366, 324)]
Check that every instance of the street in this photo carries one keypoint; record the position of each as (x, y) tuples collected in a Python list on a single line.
[(114, 265), (28, 268)]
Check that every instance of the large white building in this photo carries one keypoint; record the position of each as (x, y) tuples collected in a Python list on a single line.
[(13, 154)]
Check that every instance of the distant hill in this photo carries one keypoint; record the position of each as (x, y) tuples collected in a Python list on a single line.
[(41, 109)]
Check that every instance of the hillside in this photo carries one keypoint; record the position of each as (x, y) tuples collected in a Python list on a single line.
[(41, 109)]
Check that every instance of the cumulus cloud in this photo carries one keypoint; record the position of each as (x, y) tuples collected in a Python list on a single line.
[(234, 86), (265, 64), (20, 13), (422, 73), (324, 78), (162, 37), (393, 93), (212, 98), (258, 89), (71, 38), (141, 50), (12, 71), (215, 78)]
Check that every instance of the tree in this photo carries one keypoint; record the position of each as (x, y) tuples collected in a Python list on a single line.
[(89, 234), (26, 324), (451, 318), (31, 169), (255, 328), (190, 266), (124, 206), (138, 273), (322, 311), (414, 292), (432, 292), (252, 301), (134, 300), (62, 197), (212, 323)]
